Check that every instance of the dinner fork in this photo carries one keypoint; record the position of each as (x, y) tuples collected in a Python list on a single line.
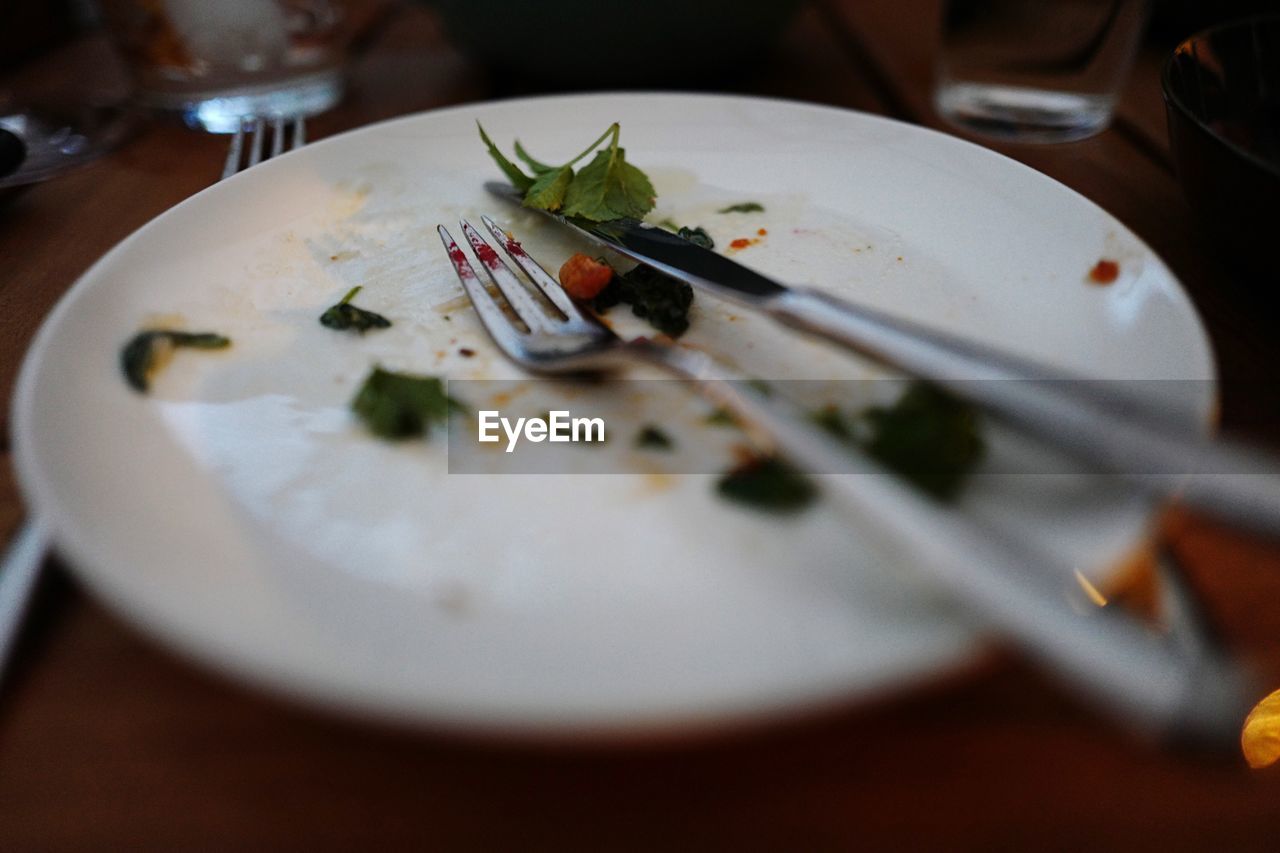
[(26, 552), (295, 128), (1114, 659)]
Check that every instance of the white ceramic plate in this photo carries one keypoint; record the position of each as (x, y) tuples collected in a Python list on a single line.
[(239, 513)]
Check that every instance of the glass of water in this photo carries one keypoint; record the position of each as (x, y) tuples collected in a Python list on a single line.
[(1035, 70), (216, 61)]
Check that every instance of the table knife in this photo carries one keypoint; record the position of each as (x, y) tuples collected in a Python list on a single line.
[(1106, 426)]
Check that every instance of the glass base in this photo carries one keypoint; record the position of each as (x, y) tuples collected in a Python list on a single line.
[(1021, 114), (222, 111)]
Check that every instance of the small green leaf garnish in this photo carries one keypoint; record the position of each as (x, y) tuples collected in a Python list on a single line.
[(767, 483), (651, 437), (697, 236), (830, 419), (548, 189), (344, 316), (518, 179), (721, 417), (743, 207), (147, 351), (401, 405), (929, 437), (536, 166), (607, 188), (653, 296)]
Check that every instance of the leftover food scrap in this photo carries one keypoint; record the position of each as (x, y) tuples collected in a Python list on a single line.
[(148, 351)]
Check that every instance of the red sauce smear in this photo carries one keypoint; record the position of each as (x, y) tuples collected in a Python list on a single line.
[(1104, 272), (740, 243), (459, 261), (487, 255)]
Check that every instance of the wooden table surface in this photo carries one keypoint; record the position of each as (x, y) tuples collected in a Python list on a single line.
[(107, 741)]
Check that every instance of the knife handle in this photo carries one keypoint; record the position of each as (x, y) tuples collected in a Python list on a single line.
[(1104, 425)]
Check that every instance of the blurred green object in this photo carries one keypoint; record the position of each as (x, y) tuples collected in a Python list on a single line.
[(598, 43)]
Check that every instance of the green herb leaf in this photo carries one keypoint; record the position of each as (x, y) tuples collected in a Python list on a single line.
[(929, 437), (519, 179), (402, 405), (547, 192), (833, 421), (721, 417), (609, 188), (344, 316), (147, 351), (743, 207), (697, 236), (535, 166), (652, 438), (768, 483)]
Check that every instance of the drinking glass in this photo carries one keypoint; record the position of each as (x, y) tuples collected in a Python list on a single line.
[(1035, 70), (216, 61)]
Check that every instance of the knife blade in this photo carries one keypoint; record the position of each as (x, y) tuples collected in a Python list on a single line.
[(1107, 427)]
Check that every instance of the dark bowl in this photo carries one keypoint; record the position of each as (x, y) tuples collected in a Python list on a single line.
[(1222, 97), (590, 44)]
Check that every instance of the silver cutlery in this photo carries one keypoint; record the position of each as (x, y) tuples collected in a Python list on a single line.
[(292, 129), (30, 545), (1125, 668), (1102, 424)]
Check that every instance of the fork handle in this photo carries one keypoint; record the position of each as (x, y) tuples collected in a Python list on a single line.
[(1124, 434), (1123, 667)]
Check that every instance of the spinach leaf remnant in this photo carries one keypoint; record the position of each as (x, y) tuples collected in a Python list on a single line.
[(721, 417), (768, 483), (651, 437), (653, 296), (607, 188), (345, 316), (147, 351), (402, 405), (697, 236), (929, 437), (743, 207)]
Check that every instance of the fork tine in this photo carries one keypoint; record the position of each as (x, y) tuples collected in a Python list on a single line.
[(233, 155), (545, 282), (299, 132), (277, 136), (521, 301), (504, 334), (255, 144)]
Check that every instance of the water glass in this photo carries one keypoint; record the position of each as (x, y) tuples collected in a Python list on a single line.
[(1035, 70), (215, 61)]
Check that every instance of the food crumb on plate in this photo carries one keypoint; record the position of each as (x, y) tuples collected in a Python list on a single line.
[(1104, 272)]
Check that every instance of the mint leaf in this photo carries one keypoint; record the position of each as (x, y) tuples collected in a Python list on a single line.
[(534, 165), (744, 207), (519, 179), (606, 188), (609, 188), (548, 190)]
